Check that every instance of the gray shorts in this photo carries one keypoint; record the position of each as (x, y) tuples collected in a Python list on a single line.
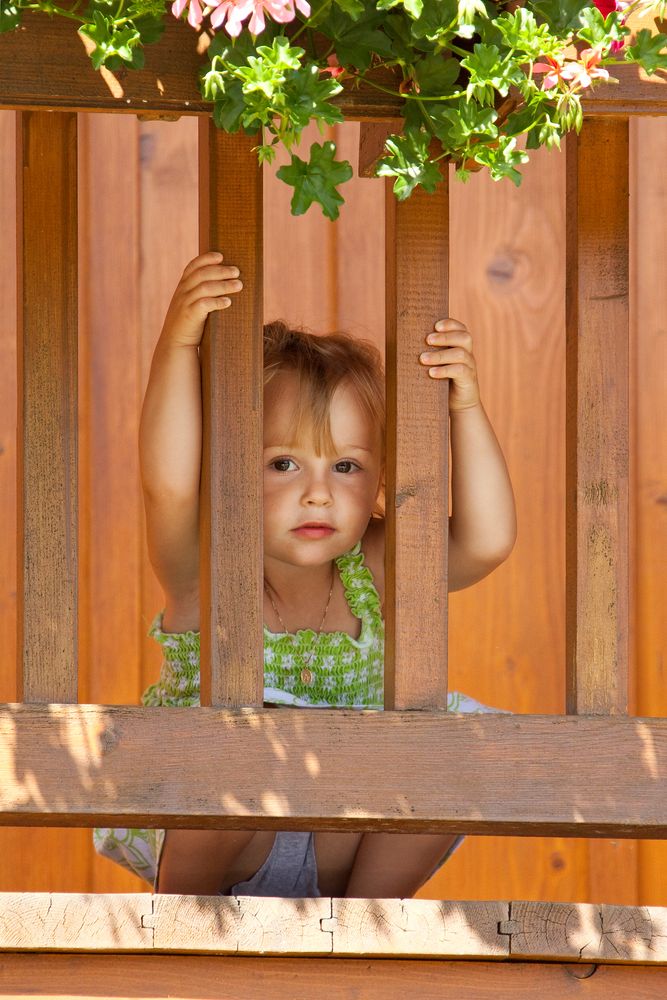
[(290, 871)]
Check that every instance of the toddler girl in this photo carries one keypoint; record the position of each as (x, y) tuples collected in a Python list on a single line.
[(323, 571)]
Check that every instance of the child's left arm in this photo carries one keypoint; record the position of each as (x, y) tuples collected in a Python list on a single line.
[(482, 526)]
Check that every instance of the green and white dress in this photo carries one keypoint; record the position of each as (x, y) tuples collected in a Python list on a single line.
[(306, 669)]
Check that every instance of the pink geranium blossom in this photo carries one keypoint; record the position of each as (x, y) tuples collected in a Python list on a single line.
[(232, 13), (553, 70), (586, 69), (581, 72)]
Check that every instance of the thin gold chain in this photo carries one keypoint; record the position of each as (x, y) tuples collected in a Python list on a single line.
[(278, 615)]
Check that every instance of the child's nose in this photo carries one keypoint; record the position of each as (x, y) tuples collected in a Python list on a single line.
[(318, 491)]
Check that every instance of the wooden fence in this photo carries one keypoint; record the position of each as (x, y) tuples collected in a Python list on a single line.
[(69, 764)]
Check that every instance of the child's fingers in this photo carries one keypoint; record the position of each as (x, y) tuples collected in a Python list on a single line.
[(208, 272), (210, 257), (457, 372), (449, 323), (449, 356)]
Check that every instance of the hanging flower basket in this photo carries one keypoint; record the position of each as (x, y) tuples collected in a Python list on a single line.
[(480, 83)]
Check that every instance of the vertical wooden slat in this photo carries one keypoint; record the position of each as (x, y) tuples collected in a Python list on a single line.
[(417, 243), (597, 576), (47, 404), (232, 381)]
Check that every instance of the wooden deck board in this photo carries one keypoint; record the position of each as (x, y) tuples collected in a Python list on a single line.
[(339, 928)]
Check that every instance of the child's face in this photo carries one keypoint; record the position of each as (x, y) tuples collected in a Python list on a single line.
[(317, 506)]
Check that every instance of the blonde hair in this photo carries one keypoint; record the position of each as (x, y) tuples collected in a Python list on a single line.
[(322, 364)]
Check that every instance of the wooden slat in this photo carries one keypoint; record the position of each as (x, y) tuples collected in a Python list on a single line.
[(232, 385), (284, 769), (45, 65), (597, 572), (417, 258), (588, 933), (340, 928), (47, 387), (207, 977)]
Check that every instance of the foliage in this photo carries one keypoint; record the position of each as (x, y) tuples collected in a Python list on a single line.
[(481, 82)]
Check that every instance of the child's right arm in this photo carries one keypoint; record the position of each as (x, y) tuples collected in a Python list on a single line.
[(170, 437)]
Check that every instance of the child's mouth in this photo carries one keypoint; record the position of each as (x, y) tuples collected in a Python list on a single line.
[(314, 529)]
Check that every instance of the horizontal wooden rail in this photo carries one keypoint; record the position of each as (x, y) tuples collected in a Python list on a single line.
[(205, 977), (339, 928), (66, 765), (44, 64)]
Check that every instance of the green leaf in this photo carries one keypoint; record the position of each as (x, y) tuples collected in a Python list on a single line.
[(562, 16), (316, 180), (600, 32), (647, 51), (413, 7), (354, 8), (436, 74), (489, 71), (436, 20), (408, 161), (10, 16), (111, 43), (356, 40)]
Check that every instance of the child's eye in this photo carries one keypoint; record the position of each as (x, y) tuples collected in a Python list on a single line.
[(345, 466), (283, 464)]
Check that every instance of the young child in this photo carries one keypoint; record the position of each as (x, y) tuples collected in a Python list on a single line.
[(323, 571)]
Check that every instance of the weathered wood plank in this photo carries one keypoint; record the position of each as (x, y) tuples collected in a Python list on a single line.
[(283, 769), (417, 263), (242, 925), (47, 406), (597, 288), (341, 928), (587, 932), (411, 927), (208, 977), (69, 921), (44, 64), (231, 553)]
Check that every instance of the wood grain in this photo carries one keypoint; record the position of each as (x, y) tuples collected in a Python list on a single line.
[(231, 552), (649, 408), (597, 288), (284, 768), (416, 277), (47, 406), (588, 932), (340, 928), (8, 377), (202, 977)]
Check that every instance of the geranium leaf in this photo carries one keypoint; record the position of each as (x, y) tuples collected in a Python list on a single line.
[(647, 51), (316, 180)]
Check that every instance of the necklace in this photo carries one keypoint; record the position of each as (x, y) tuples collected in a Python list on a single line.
[(278, 616)]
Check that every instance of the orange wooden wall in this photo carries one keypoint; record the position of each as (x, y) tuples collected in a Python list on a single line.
[(137, 213)]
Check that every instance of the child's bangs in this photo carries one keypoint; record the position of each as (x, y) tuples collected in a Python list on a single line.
[(321, 365)]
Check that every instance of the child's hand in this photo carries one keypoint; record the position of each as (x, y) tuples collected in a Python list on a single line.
[(450, 356), (206, 286)]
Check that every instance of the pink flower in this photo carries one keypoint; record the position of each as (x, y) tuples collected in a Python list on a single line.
[(586, 69), (553, 69), (333, 67), (232, 13), (195, 15), (581, 73)]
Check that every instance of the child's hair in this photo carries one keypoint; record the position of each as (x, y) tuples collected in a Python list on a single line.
[(321, 364)]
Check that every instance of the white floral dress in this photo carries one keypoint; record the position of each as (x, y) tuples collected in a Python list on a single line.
[(305, 668)]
